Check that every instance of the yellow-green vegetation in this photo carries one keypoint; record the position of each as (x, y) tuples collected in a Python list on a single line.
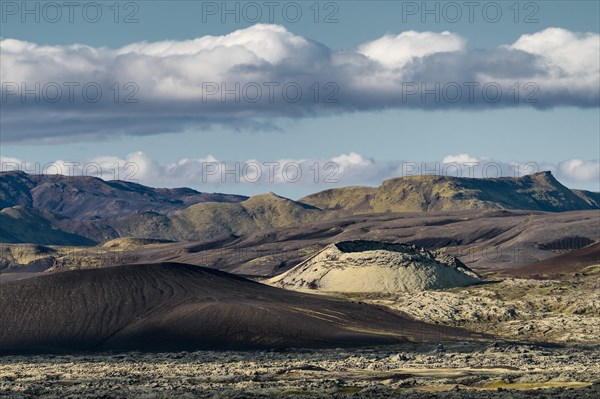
[(129, 243), (524, 386), (25, 253), (61, 257), (211, 219), (591, 270), (424, 193)]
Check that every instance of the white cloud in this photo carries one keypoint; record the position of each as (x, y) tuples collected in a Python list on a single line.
[(461, 158), (352, 159), (570, 52), (395, 51), (578, 170), (250, 77), (270, 43), (571, 172), (302, 175), (566, 60), (9, 163)]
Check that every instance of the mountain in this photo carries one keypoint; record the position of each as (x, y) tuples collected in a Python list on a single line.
[(174, 307), (210, 219), (19, 224), (427, 193), (64, 210), (592, 198), (87, 198)]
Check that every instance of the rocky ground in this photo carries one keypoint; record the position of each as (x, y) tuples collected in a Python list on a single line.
[(554, 311), (563, 314), (450, 370)]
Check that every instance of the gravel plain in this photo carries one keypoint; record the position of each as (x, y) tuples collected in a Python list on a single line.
[(446, 370)]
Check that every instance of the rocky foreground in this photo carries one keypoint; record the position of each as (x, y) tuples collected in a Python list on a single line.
[(551, 311), (456, 370)]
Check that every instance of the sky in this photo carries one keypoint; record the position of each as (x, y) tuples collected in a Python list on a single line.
[(297, 97)]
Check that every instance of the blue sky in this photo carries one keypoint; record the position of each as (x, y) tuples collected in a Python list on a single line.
[(369, 136)]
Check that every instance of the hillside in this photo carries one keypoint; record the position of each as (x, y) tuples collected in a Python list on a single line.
[(174, 307), (19, 224), (484, 240), (570, 263), (208, 220), (88, 198), (427, 193), (481, 239), (82, 209), (590, 197)]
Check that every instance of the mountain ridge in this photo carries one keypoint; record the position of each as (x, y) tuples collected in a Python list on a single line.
[(74, 210), (425, 193), (88, 198)]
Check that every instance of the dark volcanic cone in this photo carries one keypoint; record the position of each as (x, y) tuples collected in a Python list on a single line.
[(171, 307)]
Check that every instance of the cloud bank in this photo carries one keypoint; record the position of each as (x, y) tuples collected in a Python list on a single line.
[(300, 175), (248, 78)]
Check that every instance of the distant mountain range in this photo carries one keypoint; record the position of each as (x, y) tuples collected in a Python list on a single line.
[(88, 198), (54, 209), (427, 193)]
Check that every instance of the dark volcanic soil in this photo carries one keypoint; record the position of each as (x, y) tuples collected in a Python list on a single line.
[(572, 262), (483, 240), (180, 307)]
